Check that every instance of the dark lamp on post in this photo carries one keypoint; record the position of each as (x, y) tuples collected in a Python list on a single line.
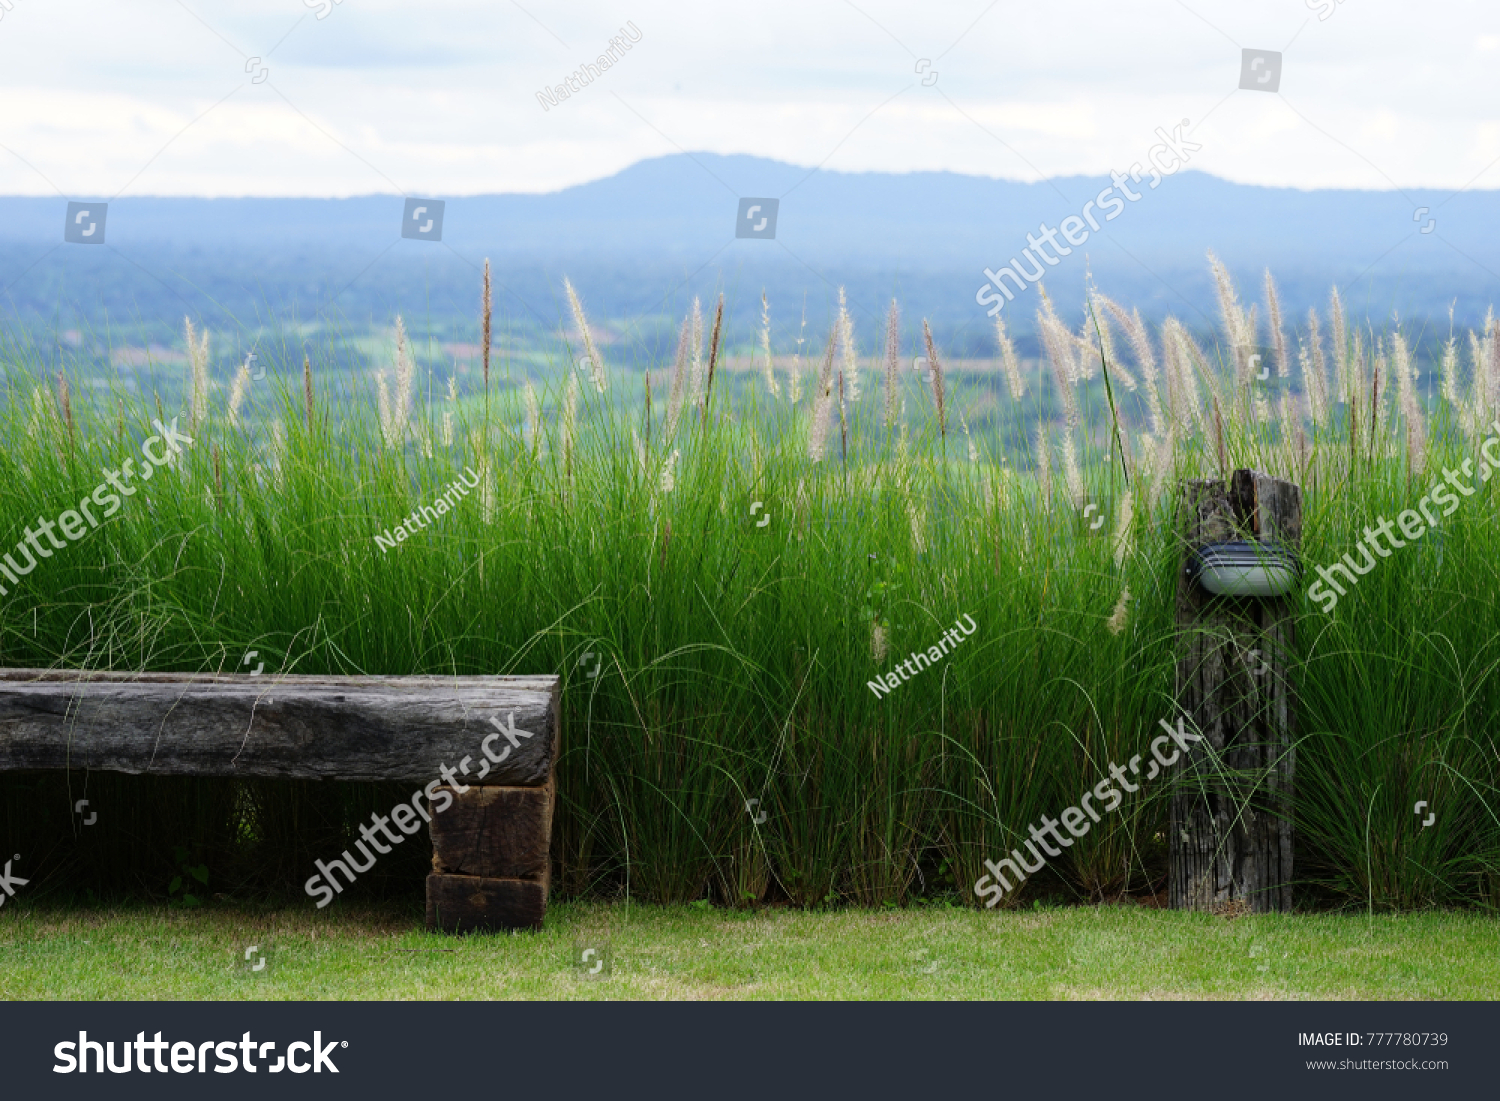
[(1244, 569)]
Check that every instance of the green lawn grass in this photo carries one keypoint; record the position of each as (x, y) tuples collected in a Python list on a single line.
[(685, 952)]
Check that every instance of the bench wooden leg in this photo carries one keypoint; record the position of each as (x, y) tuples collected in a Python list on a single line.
[(477, 904), (491, 854)]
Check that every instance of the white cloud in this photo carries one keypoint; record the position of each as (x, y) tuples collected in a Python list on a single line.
[(439, 98)]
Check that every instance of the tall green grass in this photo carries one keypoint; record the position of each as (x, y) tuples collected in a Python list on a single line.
[(734, 656)]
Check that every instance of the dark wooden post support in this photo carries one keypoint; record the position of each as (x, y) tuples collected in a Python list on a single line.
[(1231, 829), (492, 847), (491, 859)]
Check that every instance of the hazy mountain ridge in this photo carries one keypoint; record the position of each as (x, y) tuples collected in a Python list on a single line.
[(642, 241)]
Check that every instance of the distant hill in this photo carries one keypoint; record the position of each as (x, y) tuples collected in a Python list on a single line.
[(638, 244)]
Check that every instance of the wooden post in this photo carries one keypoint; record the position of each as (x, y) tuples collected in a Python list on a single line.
[(1231, 831)]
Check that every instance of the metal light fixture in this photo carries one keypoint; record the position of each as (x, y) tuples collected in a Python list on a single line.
[(1244, 569)]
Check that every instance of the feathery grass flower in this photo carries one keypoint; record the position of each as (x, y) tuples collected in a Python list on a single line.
[(1008, 361), (197, 376), (850, 356), (1339, 334), (668, 480), (679, 391), (935, 370), (448, 412), (569, 422), (697, 379), (713, 357), (1278, 336), (772, 386), (1124, 537), (1416, 430), (1043, 450), (1238, 325), (794, 372), (1315, 372), (237, 393), (1120, 616), (484, 328), (395, 411), (1098, 346), (822, 404), (595, 361)]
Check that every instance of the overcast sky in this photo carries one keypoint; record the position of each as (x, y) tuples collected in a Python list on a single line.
[(153, 97)]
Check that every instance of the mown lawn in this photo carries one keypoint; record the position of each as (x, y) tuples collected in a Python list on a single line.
[(1117, 952)]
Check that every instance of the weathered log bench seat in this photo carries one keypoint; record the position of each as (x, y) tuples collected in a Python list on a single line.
[(479, 750)]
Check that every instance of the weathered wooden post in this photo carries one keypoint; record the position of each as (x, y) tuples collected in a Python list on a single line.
[(491, 859), (1231, 828)]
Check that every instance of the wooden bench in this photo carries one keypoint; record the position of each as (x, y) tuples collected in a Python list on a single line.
[(491, 838)]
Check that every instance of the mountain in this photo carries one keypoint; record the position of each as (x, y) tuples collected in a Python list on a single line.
[(640, 243)]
